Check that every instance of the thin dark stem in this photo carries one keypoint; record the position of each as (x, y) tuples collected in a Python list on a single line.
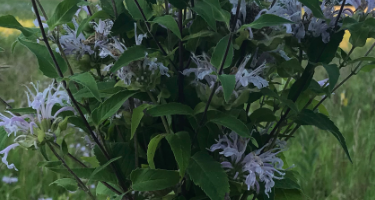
[(181, 77), (339, 15), (85, 166), (164, 121), (114, 8), (41, 9), (222, 63), (89, 9), (5, 103), (152, 35), (80, 183), (334, 89), (121, 181), (166, 7)]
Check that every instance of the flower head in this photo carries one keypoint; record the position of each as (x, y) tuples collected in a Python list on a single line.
[(256, 167), (9, 180)]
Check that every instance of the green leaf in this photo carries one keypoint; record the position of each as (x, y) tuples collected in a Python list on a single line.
[(8, 21), (46, 64), (92, 160), (288, 182), (265, 21), (209, 175), (152, 146), (63, 14), (108, 7), (368, 68), (110, 106), (134, 11), (220, 14), (88, 81), (64, 147), (153, 179), (308, 117), (98, 15), (361, 59), (67, 183), (28, 110), (318, 51), (232, 123), (228, 82), (123, 23), (131, 54), (49, 164), (127, 161), (101, 168), (170, 109), (205, 10), (359, 31), (169, 22), (262, 115), (203, 33), (289, 68), (219, 52), (101, 189), (137, 116), (282, 194), (180, 4), (180, 144), (314, 6), (333, 74)]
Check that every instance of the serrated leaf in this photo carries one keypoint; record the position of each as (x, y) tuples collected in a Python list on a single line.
[(153, 179), (88, 81), (98, 15), (180, 144), (333, 74), (368, 68), (170, 109), (169, 22), (108, 7), (152, 146), (134, 10), (220, 51), (63, 13), (67, 183), (209, 175), (92, 160), (262, 115), (308, 117), (123, 23), (267, 20), (9, 21), (288, 182), (228, 82), (110, 106), (314, 6), (232, 123), (131, 54), (101, 189), (137, 116), (46, 64)]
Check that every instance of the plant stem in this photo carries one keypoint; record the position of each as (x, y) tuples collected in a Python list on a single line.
[(85, 166), (341, 9), (80, 183), (152, 35), (181, 77), (334, 89), (121, 181), (114, 8), (165, 124), (222, 63), (89, 9), (5, 103), (41, 9), (135, 139)]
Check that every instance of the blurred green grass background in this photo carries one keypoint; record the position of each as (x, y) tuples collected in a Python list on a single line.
[(325, 172)]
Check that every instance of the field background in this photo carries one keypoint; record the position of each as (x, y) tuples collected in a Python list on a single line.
[(325, 172)]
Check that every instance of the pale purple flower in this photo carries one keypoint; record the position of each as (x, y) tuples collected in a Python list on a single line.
[(245, 76), (203, 69), (73, 45), (9, 180), (370, 5), (5, 152), (138, 38), (253, 168)]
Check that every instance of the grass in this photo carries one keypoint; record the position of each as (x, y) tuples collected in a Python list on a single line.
[(325, 172)]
